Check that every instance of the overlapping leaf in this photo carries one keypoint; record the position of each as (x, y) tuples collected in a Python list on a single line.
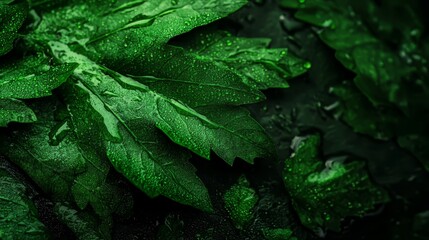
[(132, 115)]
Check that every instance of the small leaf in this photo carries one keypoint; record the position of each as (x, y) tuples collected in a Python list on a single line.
[(240, 200), (323, 194)]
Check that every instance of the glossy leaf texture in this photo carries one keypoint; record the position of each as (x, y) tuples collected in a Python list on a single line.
[(18, 214), (324, 193), (385, 44), (133, 115)]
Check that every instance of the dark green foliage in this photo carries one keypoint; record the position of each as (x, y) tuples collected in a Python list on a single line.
[(279, 234), (18, 215), (384, 43)]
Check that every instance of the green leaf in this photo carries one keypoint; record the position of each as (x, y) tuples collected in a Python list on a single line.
[(115, 29), (121, 96), (240, 201), (371, 42), (251, 58), (324, 193), (12, 16), (12, 110), (18, 215)]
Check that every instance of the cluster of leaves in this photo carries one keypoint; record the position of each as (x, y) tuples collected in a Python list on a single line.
[(385, 44), (126, 98), (119, 91)]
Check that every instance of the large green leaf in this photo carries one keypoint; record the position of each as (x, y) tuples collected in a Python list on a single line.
[(140, 50), (119, 95), (131, 114)]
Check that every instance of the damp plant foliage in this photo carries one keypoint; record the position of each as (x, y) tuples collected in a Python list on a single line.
[(111, 108), (126, 100), (385, 45)]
